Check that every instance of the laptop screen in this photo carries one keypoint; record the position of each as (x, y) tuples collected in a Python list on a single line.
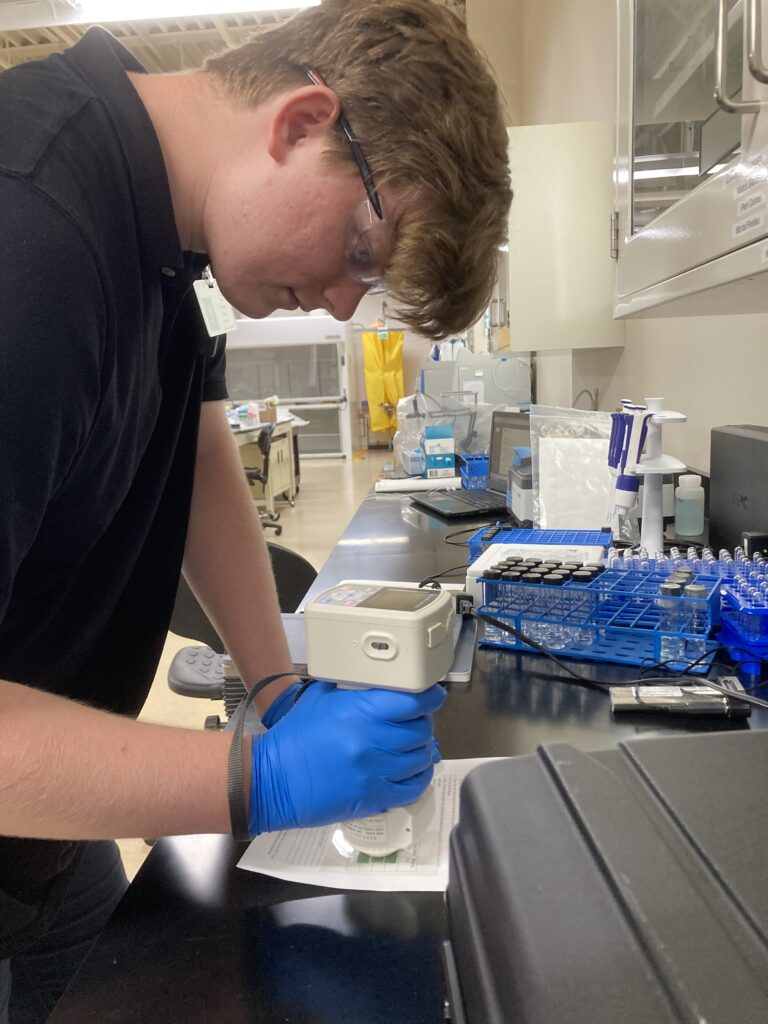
[(509, 430)]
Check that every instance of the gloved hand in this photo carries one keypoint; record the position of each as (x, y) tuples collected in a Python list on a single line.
[(280, 705), (342, 754)]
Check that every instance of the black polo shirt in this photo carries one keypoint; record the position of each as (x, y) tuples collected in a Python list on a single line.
[(104, 362)]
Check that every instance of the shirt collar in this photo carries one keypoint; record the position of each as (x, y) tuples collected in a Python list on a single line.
[(103, 62)]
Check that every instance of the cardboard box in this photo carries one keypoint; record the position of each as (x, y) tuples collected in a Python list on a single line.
[(439, 452)]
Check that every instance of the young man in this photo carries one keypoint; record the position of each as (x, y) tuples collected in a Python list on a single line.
[(356, 142)]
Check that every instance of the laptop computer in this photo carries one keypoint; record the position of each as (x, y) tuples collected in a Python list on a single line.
[(508, 430)]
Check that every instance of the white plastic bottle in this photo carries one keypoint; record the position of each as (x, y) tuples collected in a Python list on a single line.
[(689, 506)]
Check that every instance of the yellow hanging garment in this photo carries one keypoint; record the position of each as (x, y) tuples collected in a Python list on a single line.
[(383, 355)]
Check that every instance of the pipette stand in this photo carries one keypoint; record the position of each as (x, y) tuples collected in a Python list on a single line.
[(653, 466)]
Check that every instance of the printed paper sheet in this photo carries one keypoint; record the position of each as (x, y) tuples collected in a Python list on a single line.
[(311, 856)]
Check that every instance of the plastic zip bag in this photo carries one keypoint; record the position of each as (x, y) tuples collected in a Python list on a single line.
[(471, 423), (572, 483)]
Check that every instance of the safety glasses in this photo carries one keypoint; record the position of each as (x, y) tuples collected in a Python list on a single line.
[(373, 239)]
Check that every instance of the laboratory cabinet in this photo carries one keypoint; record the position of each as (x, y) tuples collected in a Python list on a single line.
[(560, 272), (690, 227)]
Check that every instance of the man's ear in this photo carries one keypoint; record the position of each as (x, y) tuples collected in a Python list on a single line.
[(302, 114)]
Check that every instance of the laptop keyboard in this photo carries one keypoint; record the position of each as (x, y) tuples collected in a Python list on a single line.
[(479, 499)]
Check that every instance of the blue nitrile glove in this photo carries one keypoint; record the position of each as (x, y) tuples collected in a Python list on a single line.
[(342, 754), (280, 705)]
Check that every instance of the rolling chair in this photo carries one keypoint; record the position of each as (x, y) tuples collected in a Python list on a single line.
[(260, 474), (206, 671)]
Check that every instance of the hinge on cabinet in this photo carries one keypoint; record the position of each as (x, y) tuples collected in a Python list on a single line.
[(615, 235)]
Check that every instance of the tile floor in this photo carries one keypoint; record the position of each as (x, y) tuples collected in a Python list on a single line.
[(331, 490)]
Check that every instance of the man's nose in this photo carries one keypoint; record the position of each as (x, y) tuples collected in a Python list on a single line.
[(344, 298)]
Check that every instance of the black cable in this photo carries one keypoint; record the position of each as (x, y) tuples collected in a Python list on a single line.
[(235, 786), (732, 668), (746, 697), (605, 687), (757, 686), (683, 544), (469, 529), (500, 624), (656, 665), (594, 684), (753, 655), (735, 665), (446, 572)]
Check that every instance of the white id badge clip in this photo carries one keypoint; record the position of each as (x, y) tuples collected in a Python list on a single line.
[(218, 314)]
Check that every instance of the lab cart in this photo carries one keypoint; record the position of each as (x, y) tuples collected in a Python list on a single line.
[(281, 475)]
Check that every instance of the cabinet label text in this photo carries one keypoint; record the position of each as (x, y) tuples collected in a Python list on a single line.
[(748, 225), (750, 203)]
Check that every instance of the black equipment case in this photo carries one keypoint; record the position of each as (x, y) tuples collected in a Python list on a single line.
[(627, 886)]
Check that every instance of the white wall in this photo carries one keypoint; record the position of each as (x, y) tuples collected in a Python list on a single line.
[(712, 368), (569, 55), (496, 27), (554, 377)]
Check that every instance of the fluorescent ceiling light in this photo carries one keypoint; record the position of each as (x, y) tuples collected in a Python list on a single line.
[(315, 314), (665, 159), (24, 14), (135, 10), (667, 172)]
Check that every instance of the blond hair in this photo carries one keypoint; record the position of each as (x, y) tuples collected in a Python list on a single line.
[(427, 113)]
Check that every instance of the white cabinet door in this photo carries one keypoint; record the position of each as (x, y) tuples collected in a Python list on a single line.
[(281, 463), (691, 178), (560, 266)]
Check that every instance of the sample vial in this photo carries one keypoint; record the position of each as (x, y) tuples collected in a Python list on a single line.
[(698, 622), (671, 648), (681, 576), (558, 635), (581, 604), (513, 596)]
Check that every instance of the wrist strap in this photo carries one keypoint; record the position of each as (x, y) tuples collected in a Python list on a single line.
[(235, 788)]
